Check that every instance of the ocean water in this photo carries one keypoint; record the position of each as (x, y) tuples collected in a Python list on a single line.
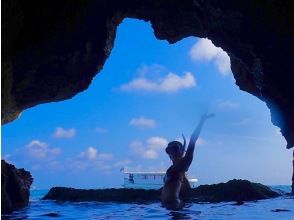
[(262, 209)]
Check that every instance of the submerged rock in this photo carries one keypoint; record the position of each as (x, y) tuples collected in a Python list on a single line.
[(234, 190), (15, 187)]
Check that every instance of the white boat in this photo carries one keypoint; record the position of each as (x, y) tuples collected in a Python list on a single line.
[(148, 180)]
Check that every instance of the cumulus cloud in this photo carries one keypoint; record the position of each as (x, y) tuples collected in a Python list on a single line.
[(92, 154), (150, 149), (168, 84), (228, 105), (63, 133), (154, 69), (139, 149), (143, 122), (204, 50), (121, 163), (104, 156), (41, 150), (156, 143), (91, 158)]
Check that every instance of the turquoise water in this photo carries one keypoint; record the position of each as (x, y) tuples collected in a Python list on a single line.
[(38, 209)]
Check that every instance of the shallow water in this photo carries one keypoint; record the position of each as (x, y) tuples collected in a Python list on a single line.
[(38, 209)]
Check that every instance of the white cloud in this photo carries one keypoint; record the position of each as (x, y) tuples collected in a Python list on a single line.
[(151, 149), (204, 50), (63, 133), (40, 150), (91, 158), (7, 157), (104, 156), (143, 122), (169, 84), (138, 148), (228, 105), (154, 70), (157, 143), (92, 154), (121, 163), (37, 143), (150, 154), (101, 130)]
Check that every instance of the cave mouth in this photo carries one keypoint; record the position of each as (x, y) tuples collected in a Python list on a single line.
[(143, 85)]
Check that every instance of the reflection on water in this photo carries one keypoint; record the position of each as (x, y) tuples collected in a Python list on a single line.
[(39, 209)]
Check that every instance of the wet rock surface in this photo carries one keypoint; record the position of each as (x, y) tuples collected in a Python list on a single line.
[(56, 56), (234, 190), (15, 187)]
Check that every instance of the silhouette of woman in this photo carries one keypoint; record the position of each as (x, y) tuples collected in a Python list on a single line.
[(175, 178)]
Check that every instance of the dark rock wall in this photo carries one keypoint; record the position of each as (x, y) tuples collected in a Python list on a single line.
[(51, 50), (15, 187)]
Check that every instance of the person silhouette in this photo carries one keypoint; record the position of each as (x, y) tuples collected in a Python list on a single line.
[(175, 179)]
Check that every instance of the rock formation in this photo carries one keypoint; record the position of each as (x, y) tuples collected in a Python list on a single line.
[(51, 50), (15, 187), (234, 190), (102, 195)]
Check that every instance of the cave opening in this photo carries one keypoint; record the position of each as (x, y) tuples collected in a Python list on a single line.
[(147, 94)]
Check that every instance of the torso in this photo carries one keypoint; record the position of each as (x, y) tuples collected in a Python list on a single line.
[(172, 187)]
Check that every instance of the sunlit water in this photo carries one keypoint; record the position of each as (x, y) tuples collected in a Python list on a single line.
[(39, 209)]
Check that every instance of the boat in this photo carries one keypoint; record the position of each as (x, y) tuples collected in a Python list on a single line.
[(148, 180)]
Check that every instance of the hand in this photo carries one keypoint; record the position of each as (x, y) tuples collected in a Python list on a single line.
[(207, 116)]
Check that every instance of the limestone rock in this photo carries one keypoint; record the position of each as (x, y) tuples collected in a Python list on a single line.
[(15, 187)]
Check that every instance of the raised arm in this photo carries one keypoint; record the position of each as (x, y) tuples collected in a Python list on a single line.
[(190, 151)]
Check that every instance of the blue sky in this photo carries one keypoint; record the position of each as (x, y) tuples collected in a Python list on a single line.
[(148, 93)]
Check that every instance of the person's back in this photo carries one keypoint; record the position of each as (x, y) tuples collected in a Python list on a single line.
[(175, 175)]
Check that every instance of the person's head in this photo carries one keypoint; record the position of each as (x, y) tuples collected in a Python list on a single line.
[(176, 150)]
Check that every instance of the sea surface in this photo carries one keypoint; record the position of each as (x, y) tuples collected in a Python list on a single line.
[(263, 209)]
